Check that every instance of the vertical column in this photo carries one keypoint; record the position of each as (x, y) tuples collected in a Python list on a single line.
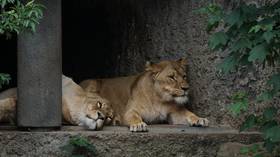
[(40, 70)]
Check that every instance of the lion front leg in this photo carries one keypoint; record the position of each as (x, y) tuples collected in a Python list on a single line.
[(184, 116), (135, 122)]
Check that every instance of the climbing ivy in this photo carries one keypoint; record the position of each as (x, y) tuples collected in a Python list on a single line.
[(249, 35)]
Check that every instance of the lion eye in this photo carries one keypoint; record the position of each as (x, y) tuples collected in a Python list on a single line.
[(185, 77), (99, 104)]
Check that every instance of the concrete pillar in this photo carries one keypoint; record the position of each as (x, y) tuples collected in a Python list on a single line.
[(39, 71)]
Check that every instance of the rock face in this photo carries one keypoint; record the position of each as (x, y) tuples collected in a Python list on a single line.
[(232, 149), (124, 34), (165, 141)]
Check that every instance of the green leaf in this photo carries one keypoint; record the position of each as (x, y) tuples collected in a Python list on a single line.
[(275, 82), (259, 52), (254, 148), (238, 107), (249, 150), (269, 113), (268, 125), (244, 150), (3, 3), (255, 29), (240, 44), (217, 39), (213, 22), (4, 79), (32, 25), (202, 10), (269, 146), (240, 103), (259, 155), (228, 64), (249, 123), (244, 61), (268, 36), (233, 18), (265, 96), (29, 3), (273, 134), (268, 27)]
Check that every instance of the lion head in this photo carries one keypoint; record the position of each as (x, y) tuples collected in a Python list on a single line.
[(170, 81), (100, 110)]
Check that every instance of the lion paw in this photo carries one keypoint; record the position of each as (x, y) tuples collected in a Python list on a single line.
[(201, 122), (139, 127)]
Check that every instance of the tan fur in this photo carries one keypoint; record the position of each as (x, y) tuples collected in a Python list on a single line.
[(153, 96), (77, 107), (8, 105)]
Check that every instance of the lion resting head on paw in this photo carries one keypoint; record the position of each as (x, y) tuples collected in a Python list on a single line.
[(102, 105), (80, 108)]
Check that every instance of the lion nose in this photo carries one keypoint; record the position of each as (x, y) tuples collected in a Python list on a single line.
[(100, 116)]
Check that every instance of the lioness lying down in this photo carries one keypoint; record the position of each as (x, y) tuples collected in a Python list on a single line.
[(153, 96), (77, 107)]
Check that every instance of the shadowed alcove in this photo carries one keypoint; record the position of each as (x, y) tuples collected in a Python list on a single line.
[(96, 37)]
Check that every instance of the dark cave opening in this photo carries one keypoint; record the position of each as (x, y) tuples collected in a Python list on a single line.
[(93, 37)]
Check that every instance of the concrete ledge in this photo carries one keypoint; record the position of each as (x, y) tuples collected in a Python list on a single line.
[(161, 140)]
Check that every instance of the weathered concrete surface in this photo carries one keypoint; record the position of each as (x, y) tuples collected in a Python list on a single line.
[(39, 71), (179, 141)]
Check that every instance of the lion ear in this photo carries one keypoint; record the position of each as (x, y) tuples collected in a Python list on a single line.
[(182, 61), (148, 65), (152, 67)]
